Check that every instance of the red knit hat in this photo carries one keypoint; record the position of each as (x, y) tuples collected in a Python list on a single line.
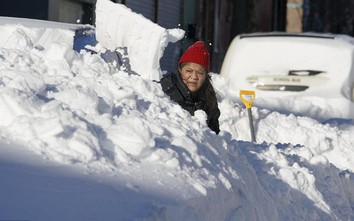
[(196, 53)]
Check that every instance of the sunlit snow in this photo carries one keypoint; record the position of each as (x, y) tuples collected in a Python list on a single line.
[(84, 139)]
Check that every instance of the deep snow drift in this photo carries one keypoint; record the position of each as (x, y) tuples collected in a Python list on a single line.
[(82, 139)]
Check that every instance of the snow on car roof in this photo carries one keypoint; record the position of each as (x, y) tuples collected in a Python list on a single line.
[(286, 34), (36, 23)]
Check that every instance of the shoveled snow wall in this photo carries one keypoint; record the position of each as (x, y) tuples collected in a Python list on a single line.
[(119, 27)]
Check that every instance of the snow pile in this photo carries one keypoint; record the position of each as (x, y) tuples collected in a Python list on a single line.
[(74, 108), (118, 27), (116, 148)]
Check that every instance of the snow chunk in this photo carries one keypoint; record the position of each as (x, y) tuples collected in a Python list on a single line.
[(118, 27), (175, 34)]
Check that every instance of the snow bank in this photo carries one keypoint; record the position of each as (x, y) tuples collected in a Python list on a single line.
[(118, 27), (76, 109)]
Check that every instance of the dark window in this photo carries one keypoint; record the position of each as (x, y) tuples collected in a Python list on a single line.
[(37, 9)]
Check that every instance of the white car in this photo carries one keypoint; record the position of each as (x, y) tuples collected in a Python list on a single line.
[(310, 68), (279, 64)]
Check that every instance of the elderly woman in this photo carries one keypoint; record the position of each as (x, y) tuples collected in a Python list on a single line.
[(191, 87)]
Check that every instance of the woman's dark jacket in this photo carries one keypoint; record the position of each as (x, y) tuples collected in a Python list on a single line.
[(172, 84)]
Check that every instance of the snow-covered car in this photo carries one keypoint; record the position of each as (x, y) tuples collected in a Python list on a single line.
[(78, 36), (286, 64), (81, 36)]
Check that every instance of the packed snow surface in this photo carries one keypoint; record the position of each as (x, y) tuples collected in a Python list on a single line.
[(83, 139)]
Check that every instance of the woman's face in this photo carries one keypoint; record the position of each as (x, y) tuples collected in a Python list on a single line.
[(193, 76)]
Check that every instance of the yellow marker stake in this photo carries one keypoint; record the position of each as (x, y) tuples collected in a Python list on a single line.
[(247, 98)]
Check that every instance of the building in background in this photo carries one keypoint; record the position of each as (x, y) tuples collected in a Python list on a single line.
[(294, 14), (71, 11), (216, 22), (334, 16)]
